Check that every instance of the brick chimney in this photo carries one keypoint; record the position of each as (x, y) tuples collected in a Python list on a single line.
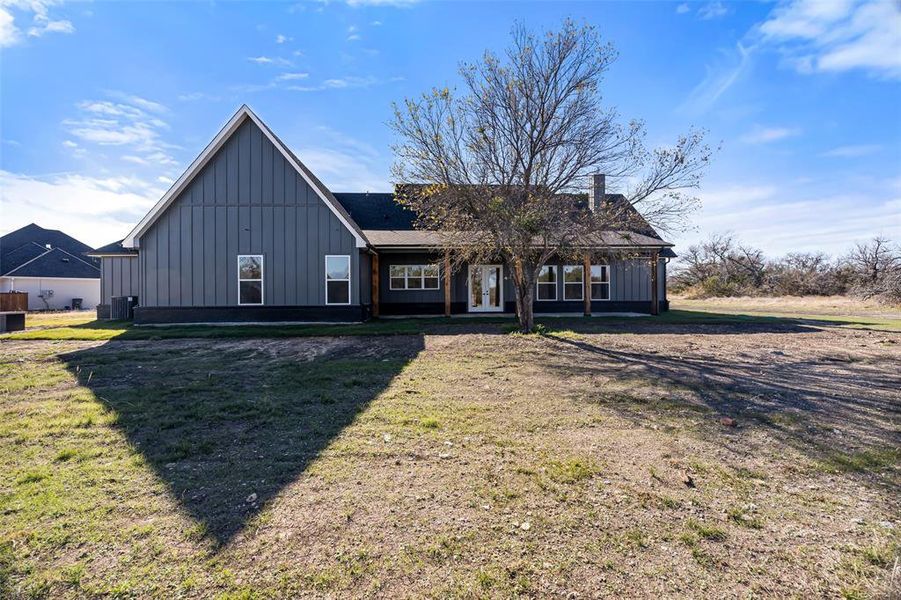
[(597, 190)]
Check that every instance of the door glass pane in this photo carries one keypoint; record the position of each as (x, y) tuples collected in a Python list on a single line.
[(475, 287), (494, 294)]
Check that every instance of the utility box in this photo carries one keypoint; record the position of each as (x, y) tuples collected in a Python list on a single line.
[(122, 308)]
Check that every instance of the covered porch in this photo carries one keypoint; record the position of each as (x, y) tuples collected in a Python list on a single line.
[(422, 282)]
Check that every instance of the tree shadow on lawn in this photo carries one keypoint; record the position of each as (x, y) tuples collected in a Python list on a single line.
[(228, 425), (841, 413)]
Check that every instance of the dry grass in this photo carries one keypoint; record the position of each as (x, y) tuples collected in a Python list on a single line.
[(791, 306), (470, 465)]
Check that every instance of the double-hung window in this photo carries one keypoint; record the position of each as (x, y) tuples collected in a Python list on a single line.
[(573, 282), (337, 279), (250, 279), (600, 282), (547, 283), (413, 277)]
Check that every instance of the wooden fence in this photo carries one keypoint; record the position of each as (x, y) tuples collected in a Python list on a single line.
[(13, 301)]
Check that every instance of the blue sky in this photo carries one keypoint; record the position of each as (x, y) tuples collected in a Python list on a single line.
[(102, 105)]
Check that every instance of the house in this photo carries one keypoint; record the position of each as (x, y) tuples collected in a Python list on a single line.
[(50, 266), (249, 233)]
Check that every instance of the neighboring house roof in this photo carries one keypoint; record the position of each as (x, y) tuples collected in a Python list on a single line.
[(113, 249), (56, 263), (209, 152), (33, 251)]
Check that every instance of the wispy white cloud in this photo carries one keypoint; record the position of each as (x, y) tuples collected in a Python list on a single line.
[(270, 60), (765, 135), (394, 3), (292, 76), (786, 218), (281, 39), (41, 21), (340, 83), (353, 33), (713, 10), (852, 151), (132, 123), (345, 163), (195, 96), (96, 210), (729, 69), (837, 36)]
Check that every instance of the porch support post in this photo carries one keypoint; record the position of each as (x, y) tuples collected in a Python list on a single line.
[(375, 285), (447, 284), (655, 295), (586, 283)]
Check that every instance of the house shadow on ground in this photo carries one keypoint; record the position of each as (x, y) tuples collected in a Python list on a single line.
[(227, 426)]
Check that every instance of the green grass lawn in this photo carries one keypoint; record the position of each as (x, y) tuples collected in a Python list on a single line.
[(81, 326), (452, 466)]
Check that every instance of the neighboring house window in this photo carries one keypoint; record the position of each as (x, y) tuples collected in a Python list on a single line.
[(413, 277), (600, 282), (337, 280), (250, 279), (572, 282), (547, 283)]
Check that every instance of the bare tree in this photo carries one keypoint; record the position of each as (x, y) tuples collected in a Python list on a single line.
[(498, 169), (876, 268)]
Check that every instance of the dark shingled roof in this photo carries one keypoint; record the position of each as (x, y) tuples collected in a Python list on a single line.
[(57, 263), (25, 253), (378, 212), (113, 248)]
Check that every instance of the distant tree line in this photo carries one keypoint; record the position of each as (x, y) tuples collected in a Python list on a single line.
[(722, 266)]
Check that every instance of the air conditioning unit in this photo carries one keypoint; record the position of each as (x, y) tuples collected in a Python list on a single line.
[(46, 294)]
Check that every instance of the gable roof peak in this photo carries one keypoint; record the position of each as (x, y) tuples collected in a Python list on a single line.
[(228, 130)]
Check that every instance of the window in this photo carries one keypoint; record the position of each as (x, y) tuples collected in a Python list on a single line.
[(250, 279), (572, 282), (547, 283), (337, 280), (413, 277), (600, 282)]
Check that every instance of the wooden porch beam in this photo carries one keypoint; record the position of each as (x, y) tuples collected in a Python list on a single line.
[(655, 295), (447, 285), (375, 285), (586, 283)]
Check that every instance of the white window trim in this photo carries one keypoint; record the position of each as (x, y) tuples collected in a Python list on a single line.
[(261, 279), (581, 297), (348, 280), (406, 278), (554, 269), (609, 283)]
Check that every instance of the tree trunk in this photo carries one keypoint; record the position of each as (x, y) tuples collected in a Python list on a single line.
[(526, 314), (523, 289)]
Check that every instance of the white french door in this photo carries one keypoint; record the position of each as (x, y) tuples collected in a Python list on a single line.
[(486, 293)]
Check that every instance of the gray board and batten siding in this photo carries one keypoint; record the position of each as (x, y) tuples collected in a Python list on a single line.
[(247, 200), (120, 276)]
